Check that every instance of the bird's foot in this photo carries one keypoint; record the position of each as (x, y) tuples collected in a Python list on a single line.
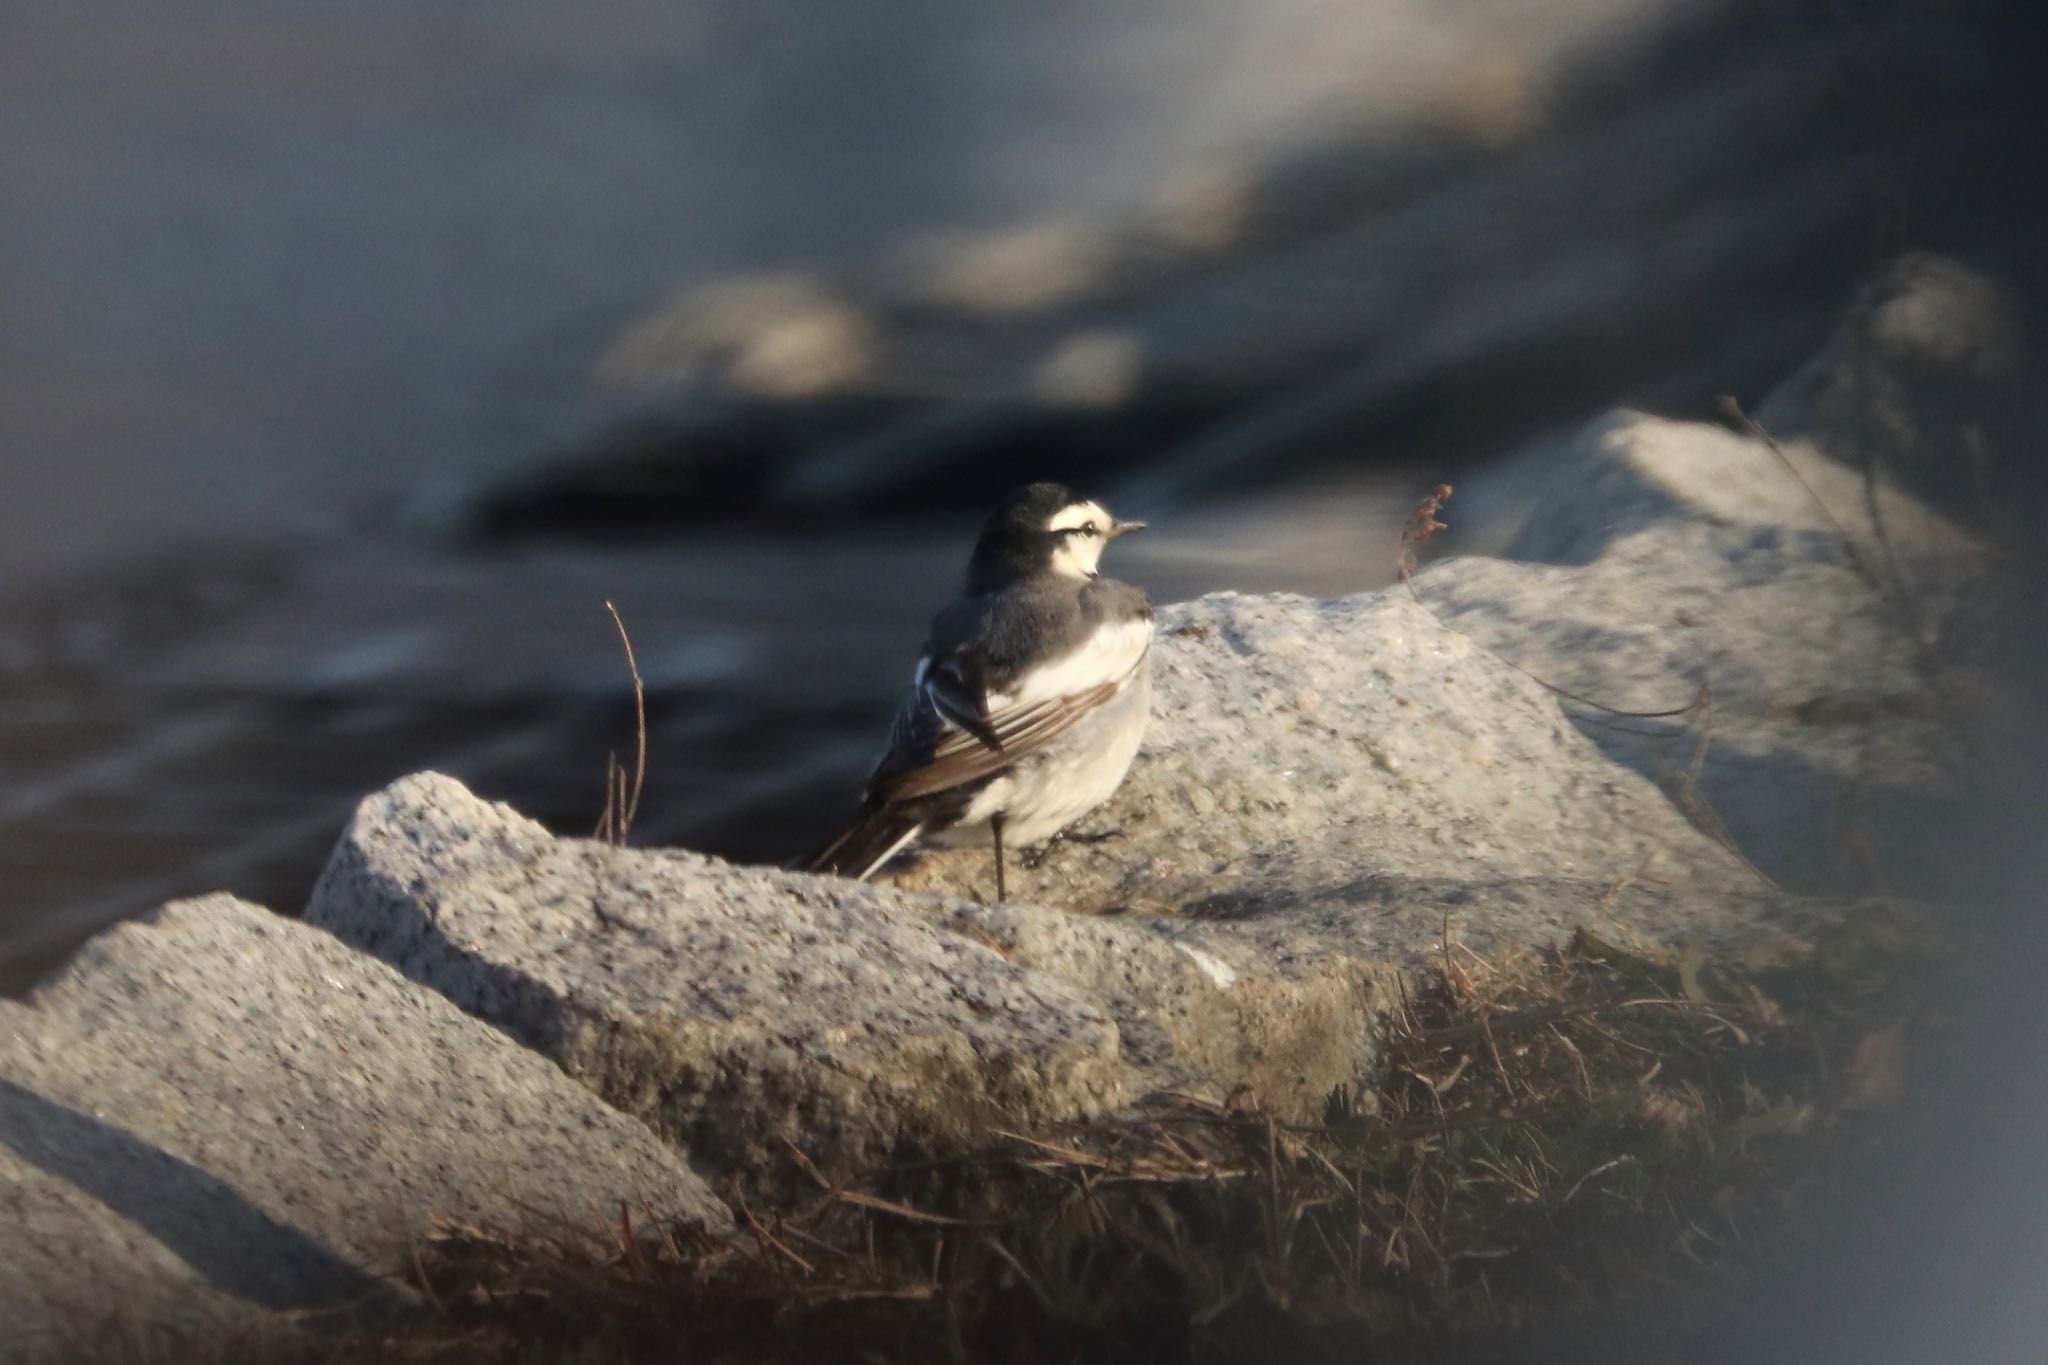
[(1034, 858)]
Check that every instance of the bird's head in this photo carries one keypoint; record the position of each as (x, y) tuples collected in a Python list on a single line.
[(1042, 528)]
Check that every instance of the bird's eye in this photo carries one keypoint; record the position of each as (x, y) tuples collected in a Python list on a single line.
[(1088, 528)]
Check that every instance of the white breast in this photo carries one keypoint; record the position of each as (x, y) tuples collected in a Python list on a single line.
[(1109, 655)]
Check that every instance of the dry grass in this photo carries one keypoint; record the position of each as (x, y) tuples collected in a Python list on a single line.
[(1564, 1137)]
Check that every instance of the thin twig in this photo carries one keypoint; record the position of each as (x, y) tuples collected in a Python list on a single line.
[(880, 1205), (1513, 1021), (769, 1239), (1848, 542)]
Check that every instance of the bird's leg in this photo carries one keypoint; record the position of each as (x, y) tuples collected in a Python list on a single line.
[(995, 828)]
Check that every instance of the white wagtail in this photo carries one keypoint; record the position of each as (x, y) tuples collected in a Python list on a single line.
[(1029, 702)]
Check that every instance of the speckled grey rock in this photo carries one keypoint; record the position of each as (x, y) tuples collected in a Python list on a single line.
[(733, 1008), (1630, 473), (1331, 786), (1835, 662), (1308, 752), (250, 1108), (1288, 995), (1202, 1008), (76, 1272), (737, 1007)]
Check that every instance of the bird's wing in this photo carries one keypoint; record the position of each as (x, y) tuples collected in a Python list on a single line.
[(954, 730)]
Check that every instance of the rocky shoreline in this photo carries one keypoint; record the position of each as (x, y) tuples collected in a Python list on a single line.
[(217, 1119)]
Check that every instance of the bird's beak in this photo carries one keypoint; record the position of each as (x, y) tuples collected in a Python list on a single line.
[(1124, 528)]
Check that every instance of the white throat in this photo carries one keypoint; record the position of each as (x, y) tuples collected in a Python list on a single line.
[(1077, 557), (1079, 553)]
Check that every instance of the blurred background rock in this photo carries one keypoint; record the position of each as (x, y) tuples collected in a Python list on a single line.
[(348, 364)]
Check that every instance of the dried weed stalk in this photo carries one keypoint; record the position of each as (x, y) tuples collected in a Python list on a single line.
[(1420, 525), (621, 795)]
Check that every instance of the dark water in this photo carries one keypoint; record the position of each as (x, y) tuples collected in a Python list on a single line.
[(270, 266)]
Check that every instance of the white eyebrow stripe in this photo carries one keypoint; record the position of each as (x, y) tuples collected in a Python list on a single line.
[(1108, 655), (1080, 514)]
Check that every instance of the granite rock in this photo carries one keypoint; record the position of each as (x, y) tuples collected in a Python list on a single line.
[(734, 1009), (1812, 585), (241, 1113), (1832, 634), (1316, 752), (77, 1271)]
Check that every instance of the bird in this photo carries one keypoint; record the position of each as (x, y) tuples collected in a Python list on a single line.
[(1030, 700)]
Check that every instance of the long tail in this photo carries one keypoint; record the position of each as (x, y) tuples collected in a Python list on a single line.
[(874, 839)]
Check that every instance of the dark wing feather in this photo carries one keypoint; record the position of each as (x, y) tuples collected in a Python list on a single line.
[(959, 700), (944, 737), (957, 756)]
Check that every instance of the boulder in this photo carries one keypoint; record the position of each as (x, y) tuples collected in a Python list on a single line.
[(741, 1009), (1811, 739), (1629, 472), (76, 1272), (1317, 753), (215, 1110), (1837, 658), (1815, 580)]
